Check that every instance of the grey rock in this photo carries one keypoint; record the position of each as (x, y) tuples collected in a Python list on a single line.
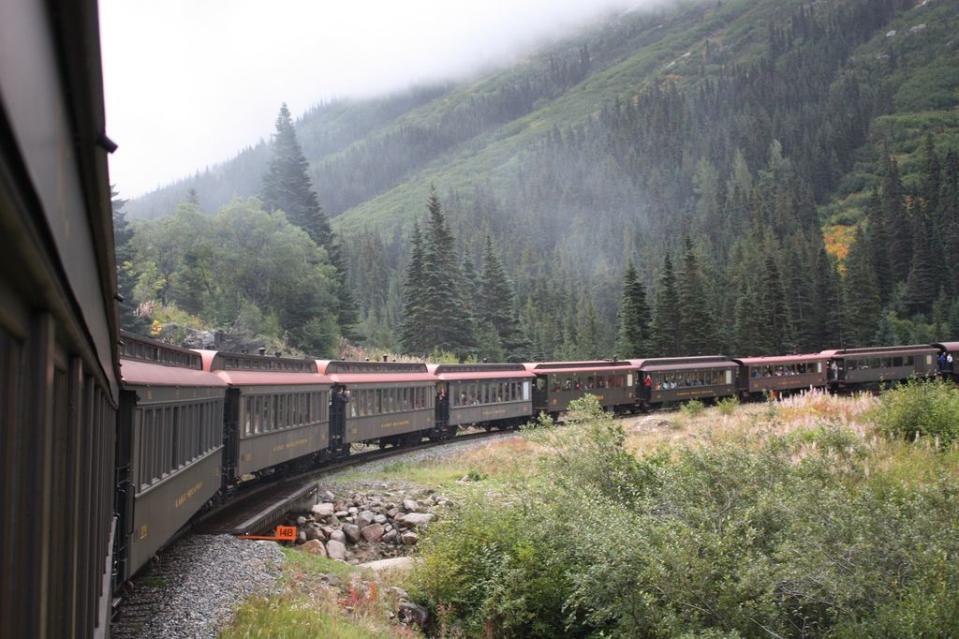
[(390, 536), (372, 533), (323, 510), (338, 536), (412, 613), (342, 514), (379, 519), (410, 505), (353, 510), (409, 538), (365, 518), (328, 496), (314, 532), (314, 547), (301, 521), (352, 532), (417, 519), (336, 550)]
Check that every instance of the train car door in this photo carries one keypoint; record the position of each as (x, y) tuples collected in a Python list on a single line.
[(442, 408), (339, 398)]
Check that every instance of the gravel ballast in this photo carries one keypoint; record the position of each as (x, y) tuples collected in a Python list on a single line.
[(195, 587)]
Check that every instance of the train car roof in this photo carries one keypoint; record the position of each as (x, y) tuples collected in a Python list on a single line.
[(243, 369), (140, 373), (880, 350), (454, 372), (770, 360), (347, 372), (602, 365), (947, 346), (657, 364)]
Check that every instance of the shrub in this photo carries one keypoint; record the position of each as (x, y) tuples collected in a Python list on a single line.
[(920, 409), (692, 408), (728, 405)]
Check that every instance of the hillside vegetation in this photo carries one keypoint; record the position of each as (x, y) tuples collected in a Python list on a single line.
[(748, 126)]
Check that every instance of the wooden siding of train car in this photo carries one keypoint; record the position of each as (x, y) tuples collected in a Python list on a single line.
[(493, 411), (361, 428), (263, 450), (787, 382), (692, 392), (162, 508), (558, 401), (924, 364)]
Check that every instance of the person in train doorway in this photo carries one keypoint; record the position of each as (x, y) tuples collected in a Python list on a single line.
[(647, 385), (942, 362)]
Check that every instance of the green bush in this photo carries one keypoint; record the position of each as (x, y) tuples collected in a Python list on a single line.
[(732, 540), (728, 405), (692, 408), (920, 410)]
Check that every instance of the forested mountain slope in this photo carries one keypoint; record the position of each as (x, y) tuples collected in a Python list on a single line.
[(745, 125)]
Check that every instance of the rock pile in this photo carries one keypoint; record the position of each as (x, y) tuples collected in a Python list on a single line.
[(366, 525)]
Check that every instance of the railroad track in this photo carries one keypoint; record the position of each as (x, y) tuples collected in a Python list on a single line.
[(261, 505)]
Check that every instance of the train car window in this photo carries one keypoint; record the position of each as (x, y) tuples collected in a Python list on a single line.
[(526, 391), (909, 360)]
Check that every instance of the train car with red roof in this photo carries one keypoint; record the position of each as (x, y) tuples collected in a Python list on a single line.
[(559, 383), (665, 380), (488, 395), (276, 416), (385, 403), (782, 373), (875, 366), (169, 446)]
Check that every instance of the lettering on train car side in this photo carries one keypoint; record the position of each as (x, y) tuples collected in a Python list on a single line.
[(405, 422), (296, 443), (185, 497), (491, 412)]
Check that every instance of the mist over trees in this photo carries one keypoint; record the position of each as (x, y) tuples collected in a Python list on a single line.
[(763, 165)]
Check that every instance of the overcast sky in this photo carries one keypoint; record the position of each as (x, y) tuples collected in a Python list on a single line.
[(191, 82)]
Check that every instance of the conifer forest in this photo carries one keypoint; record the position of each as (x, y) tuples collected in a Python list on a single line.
[(744, 176)]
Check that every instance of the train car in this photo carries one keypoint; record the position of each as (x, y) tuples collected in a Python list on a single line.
[(58, 325), (875, 366), (559, 383), (489, 395), (276, 416), (385, 403), (666, 380), (758, 375), (170, 446)]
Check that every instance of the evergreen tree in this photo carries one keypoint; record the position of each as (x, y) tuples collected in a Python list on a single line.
[(895, 217), (921, 284), (588, 339), (862, 307), (496, 302), (931, 176), (412, 337), (827, 308), (776, 335), (287, 186), (695, 321), (448, 322), (633, 334), (878, 239), (347, 316), (666, 315), (126, 276)]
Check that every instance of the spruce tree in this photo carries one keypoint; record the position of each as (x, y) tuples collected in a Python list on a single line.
[(449, 322), (633, 333), (896, 219), (862, 307), (412, 337), (495, 304), (126, 277), (776, 335), (877, 236), (921, 284), (346, 314), (696, 320), (287, 186), (666, 315), (827, 307)]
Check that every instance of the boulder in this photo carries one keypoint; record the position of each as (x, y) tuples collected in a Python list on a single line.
[(372, 533), (409, 538), (415, 520), (323, 510), (393, 512), (412, 613), (352, 532), (336, 550), (353, 510), (314, 547), (379, 519), (338, 536), (301, 521), (341, 514), (411, 505), (315, 532), (365, 518), (389, 537)]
